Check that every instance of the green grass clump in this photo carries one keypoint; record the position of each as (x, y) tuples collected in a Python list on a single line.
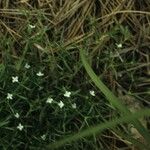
[(29, 99)]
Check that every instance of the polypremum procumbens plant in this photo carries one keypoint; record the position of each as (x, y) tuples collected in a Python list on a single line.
[(34, 102)]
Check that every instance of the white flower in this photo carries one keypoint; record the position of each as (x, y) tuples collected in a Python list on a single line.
[(67, 94), (14, 79), (20, 127), (17, 115), (40, 74), (119, 45), (43, 137), (92, 92), (61, 104), (49, 100), (31, 26), (119, 75), (27, 66), (74, 106), (9, 96)]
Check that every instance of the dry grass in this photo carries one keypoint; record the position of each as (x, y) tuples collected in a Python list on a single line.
[(72, 18)]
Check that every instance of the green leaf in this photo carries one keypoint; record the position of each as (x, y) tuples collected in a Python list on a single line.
[(112, 98), (99, 128)]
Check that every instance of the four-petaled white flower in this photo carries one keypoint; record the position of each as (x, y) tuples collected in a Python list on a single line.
[(40, 74), (119, 45), (9, 96), (20, 127), (31, 26), (14, 79), (17, 115), (74, 106), (67, 94), (43, 137), (61, 104), (27, 66), (92, 92), (49, 100)]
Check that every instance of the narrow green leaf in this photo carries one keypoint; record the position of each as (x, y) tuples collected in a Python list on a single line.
[(112, 98), (99, 128)]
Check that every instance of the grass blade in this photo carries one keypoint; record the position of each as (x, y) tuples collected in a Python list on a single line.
[(99, 128), (112, 98)]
